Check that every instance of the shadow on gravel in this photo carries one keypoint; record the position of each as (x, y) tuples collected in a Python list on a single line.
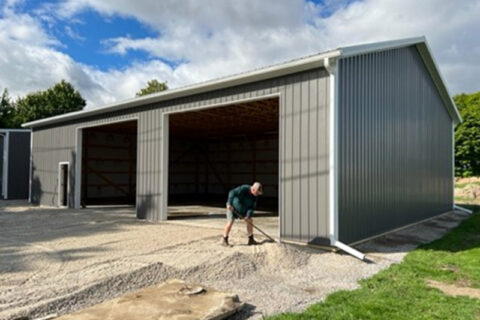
[(246, 312), (27, 230), (407, 239)]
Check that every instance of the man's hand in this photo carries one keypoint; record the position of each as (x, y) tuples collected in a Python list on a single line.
[(229, 207)]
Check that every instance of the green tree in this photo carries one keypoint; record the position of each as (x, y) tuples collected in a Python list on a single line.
[(59, 99), (7, 111), (153, 86), (467, 135)]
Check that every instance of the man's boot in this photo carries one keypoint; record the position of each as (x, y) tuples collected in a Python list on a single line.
[(251, 241), (225, 241)]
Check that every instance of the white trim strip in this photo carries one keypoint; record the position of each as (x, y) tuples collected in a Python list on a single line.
[(78, 168), (355, 50), (459, 208), (453, 166), (59, 184), (6, 174), (348, 249), (15, 130), (30, 177), (165, 172), (275, 71), (331, 67), (432, 67)]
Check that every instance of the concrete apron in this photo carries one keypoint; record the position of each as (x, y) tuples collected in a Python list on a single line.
[(174, 299)]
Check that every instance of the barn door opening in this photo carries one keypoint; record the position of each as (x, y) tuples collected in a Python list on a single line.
[(213, 150), (63, 182), (109, 164)]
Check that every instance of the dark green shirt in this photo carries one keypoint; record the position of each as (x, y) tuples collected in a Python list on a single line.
[(242, 200)]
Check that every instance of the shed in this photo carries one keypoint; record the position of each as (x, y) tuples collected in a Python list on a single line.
[(349, 143), (14, 163)]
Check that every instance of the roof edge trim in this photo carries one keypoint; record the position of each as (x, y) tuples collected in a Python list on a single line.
[(230, 81), (432, 67), (425, 52)]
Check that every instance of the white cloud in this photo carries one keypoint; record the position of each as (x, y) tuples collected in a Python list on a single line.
[(249, 34), (216, 38), (73, 34)]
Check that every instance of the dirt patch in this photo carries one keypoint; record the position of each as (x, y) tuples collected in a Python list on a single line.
[(455, 289), (468, 189), (450, 268), (173, 300)]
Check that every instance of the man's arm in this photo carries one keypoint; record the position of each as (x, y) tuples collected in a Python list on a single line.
[(232, 194)]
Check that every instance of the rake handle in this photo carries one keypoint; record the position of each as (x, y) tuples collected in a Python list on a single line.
[(254, 226)]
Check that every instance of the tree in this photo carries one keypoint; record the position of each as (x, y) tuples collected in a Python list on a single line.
[(467, 135), (59, 99), (152, 87), (7, 111)]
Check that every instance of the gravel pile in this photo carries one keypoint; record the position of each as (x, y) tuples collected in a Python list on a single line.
[(73, 267)]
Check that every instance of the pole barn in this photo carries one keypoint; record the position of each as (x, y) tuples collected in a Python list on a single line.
[(350, 144)]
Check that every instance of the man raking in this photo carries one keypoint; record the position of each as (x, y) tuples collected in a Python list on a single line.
[(241, 203)]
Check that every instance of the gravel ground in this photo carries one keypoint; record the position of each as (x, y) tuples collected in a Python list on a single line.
[(62, 260)]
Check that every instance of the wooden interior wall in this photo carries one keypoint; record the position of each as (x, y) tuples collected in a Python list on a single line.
[(109, 165), (214, 167)]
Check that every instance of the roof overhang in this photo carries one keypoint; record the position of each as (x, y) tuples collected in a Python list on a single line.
[(15, 130), (315, 61), (290, 67)]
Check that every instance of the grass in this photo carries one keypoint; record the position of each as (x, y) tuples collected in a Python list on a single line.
[(463, 199), (461, 185), (401, 291)]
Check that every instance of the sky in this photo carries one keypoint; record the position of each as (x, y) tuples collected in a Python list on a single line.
[(110, 49)]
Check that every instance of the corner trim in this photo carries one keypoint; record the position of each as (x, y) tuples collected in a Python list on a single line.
[(6, 149), (59, 185)]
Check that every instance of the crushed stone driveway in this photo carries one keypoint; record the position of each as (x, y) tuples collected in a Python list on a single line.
[(61, 260)]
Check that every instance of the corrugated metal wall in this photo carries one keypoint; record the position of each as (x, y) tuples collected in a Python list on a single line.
[(18, 165), (51, 145), (303, 151), (395, 144)]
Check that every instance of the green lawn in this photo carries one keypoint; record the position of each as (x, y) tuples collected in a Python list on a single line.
[(401, 291), (461, 185)]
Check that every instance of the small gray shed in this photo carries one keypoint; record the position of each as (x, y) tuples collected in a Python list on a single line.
[(350, 143), (14, 163)]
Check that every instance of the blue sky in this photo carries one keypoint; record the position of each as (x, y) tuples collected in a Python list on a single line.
[(110, 49), (82, 36), (84, 40)]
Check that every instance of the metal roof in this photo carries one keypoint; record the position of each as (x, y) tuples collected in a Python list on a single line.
[(289, 67)]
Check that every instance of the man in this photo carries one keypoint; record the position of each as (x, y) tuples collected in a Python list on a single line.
[(241, 203)]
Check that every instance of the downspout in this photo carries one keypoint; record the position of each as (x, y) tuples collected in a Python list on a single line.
[(331, 66)]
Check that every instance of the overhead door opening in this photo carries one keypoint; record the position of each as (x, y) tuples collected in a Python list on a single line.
[(109, 164), (214, 150)]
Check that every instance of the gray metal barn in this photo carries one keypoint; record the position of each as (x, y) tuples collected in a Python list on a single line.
[(349, 143), (14, 163)]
